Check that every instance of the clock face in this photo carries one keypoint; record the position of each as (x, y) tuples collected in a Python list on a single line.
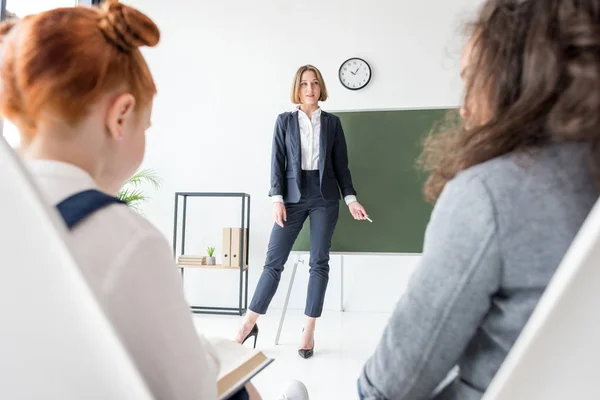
[(355, 74)]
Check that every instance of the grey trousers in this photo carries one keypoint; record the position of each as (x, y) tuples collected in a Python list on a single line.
[(323, 216)]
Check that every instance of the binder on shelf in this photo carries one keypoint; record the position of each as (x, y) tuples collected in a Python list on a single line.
[(235, 247), (226, 247)]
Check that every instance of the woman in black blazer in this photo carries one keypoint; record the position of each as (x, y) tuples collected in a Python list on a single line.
[(309, 168)]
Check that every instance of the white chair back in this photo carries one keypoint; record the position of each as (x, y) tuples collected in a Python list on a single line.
[(55, 342)]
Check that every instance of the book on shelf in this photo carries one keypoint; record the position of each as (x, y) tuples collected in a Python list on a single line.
[(191, 260), (239, 364)]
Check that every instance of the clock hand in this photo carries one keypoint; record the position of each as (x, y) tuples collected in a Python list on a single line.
[(355, 71)]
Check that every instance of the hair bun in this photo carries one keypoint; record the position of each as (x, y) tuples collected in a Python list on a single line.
[(126, 27)]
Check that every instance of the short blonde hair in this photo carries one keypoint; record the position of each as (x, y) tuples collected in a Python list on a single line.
[(295, 94)]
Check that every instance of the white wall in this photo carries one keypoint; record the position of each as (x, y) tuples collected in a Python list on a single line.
[(224, 70), (26, 7)]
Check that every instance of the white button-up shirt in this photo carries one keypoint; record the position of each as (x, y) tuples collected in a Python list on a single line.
[(310, 145), (129, 266), (310, 134)]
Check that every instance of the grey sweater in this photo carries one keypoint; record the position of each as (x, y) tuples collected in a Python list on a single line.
[(497, 234)]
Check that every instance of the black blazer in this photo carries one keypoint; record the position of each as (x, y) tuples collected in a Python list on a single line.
[(286, 160)]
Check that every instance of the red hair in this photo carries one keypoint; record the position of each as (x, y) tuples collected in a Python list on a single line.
[(64, 60)]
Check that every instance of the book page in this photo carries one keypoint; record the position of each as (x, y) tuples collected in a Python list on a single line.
[(231, 355)]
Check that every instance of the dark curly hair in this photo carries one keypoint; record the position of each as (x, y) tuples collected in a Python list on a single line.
[(533, 78)]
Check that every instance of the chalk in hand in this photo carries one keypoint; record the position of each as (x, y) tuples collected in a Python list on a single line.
[(369, 219)]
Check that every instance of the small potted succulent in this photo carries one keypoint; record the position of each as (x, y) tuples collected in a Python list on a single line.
[(210, 260)]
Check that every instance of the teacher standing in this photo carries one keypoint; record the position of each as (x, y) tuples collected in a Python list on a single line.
[(309, 168)]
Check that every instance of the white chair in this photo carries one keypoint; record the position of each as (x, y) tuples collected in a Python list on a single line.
[(55, 342), (557, 355)]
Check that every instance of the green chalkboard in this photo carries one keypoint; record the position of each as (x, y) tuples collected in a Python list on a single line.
[(383, 147)]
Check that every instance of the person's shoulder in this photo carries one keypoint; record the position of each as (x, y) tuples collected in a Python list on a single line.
[(516, 169), (283, 118), (329, 115), (550, 170), (285, 115), (492, 176), (124, 227)]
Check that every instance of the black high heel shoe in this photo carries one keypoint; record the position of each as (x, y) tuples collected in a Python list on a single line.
[(307, 353), (253, 332)]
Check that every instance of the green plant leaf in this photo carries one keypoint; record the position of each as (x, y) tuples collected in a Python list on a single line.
[(145, 175), (131, 194)]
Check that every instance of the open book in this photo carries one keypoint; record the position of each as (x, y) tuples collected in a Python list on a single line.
[(238, 365)]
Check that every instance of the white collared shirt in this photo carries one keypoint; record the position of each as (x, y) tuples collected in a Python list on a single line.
[(310, 145), (129, 266), (310, 134)]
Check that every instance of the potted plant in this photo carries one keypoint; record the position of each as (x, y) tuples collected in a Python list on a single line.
[(131, 192), (210, 260)]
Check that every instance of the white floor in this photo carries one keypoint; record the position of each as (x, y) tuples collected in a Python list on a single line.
[(343, 341)]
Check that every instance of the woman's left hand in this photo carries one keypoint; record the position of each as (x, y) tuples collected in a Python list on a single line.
[(357, 211)]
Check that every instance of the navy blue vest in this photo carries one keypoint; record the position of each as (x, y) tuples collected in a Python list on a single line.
[(79, 206)]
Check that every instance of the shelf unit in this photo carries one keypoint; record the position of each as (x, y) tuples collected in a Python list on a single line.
[(194, 266), (245, 227)]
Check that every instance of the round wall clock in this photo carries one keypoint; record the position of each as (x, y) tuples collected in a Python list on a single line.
[(355, 73)]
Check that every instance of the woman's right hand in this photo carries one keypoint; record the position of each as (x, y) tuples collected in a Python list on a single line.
[(279, 213)]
